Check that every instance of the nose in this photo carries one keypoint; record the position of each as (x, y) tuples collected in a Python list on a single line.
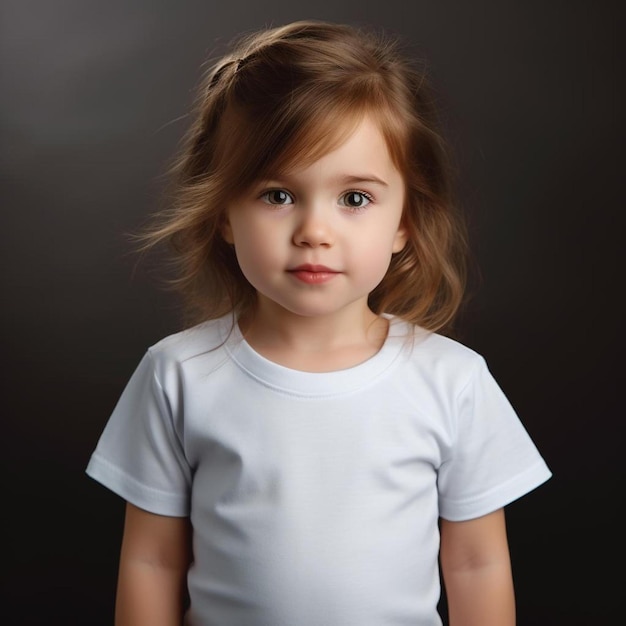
[(314, 229)]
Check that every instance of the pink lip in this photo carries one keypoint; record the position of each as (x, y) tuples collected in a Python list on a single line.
[(307, 267), (313, 274)]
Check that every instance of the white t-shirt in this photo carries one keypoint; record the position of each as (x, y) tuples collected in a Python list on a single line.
[(315, 497)]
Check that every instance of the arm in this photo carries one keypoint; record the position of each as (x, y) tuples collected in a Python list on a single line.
[(476, 570), (154, 559)]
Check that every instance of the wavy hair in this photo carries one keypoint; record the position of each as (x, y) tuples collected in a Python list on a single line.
[(289, 95)]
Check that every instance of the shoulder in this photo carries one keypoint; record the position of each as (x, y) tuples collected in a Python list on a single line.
[(425, 345), (441, 359), (450, 352), (202, 342)]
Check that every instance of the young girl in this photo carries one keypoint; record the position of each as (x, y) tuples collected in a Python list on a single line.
[(309, 452)]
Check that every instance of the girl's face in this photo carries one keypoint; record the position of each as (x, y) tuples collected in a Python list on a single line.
[(317, 240)]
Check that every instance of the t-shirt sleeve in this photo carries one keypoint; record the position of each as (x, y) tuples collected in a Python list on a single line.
[(492, 460), (140, 454)]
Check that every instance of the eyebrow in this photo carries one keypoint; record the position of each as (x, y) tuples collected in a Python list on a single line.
[(348, 179), (365, 178)]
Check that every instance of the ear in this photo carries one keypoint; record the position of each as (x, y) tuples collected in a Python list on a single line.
[(400, 238), (226, 230)]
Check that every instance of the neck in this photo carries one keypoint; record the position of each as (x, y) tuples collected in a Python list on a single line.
[(314, 343)]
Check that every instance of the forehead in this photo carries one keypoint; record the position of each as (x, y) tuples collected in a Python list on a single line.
[(356, 151), (354, 135)]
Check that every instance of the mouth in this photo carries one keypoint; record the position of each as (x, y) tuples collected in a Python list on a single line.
[(313, 274)]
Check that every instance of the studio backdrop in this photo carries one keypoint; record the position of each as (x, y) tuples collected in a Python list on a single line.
[(95, 101)]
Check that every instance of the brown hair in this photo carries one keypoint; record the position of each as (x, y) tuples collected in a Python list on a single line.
[(289, 95)]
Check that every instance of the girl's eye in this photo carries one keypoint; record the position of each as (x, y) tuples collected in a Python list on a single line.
[(276, 196), (355, 199)]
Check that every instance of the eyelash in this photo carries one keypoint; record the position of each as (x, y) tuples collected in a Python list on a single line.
[(265, 197), (364, 194)]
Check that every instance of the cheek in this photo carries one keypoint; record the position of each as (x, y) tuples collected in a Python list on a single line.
[(374, 264), (384, 242), (256, 254), (249, 264)]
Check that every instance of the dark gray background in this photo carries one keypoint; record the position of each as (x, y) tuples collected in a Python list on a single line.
[(94, 101)]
